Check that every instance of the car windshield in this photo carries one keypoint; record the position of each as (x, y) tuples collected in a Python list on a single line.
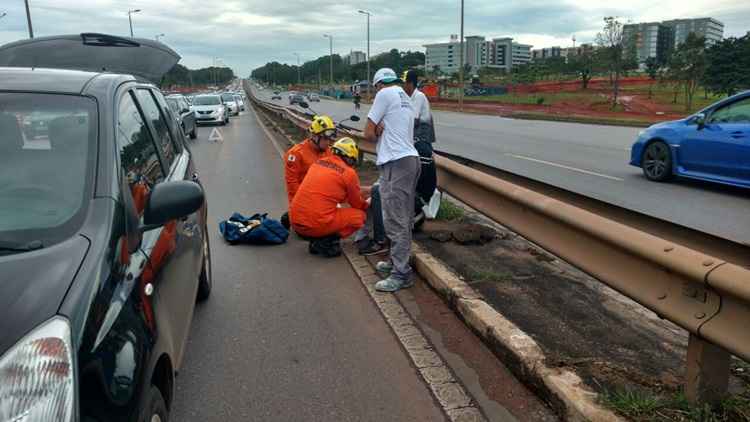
[(207, 100), (227, 97), (46, 156)]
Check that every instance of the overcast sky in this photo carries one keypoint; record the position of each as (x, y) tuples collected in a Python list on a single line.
[(245, 34)]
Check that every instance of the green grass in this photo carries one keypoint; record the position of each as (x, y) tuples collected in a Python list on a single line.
[(533, 98), (642, 405), (584, 119), (449, 211), (477, 275)]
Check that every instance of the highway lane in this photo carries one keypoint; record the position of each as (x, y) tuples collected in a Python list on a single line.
[(588, 159), (285, 336)]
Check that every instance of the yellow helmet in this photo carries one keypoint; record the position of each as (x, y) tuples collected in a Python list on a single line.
[(346, 147), (322, 124)]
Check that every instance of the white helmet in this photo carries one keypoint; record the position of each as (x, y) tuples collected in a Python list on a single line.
[(384, 75)]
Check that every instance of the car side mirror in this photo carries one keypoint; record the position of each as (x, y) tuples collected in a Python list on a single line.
[(185, 110), (171, 200), (304, 104), (700, 120), (354, 118)]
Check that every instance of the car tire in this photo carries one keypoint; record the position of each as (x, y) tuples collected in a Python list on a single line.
[(206, 279), (656, 162), (154, 409)]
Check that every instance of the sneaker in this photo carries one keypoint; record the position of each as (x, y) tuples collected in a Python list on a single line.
[(391, 285), (384, 267), (371, 247)]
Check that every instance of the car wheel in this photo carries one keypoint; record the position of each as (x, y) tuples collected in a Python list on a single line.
[(657, 162), (154, 410), (206, 279)]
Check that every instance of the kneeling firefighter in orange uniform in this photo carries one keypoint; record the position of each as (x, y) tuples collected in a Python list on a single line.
[(300, 157), (315, 210)]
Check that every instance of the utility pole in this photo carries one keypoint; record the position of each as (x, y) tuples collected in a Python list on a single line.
[(364, 12), (130, 18), (330, 39), (299, 81), (461, 71), (28, 19)]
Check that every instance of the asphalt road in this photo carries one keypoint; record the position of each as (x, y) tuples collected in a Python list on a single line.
[(591, 160), (285, 336)]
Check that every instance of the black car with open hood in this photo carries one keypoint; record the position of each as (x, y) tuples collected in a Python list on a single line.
[(104, 250)]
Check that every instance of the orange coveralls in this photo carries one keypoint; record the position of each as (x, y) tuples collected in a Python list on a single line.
[(298, 160), (314, 211)]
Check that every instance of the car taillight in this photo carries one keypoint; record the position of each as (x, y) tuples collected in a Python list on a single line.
[(37, 376)]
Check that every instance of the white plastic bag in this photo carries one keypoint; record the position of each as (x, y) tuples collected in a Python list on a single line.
[(431, 208)]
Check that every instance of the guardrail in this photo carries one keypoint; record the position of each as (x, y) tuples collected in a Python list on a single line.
[(707, 296)]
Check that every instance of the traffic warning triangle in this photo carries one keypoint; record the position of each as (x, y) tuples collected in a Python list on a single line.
[(215, 135)]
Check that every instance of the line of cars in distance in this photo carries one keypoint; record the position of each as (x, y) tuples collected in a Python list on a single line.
[(205, 108), (297, 97)]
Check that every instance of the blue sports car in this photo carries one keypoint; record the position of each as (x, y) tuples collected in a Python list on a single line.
[(711, 145)]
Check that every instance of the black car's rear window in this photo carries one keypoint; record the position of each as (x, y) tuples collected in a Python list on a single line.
[(47, 151)]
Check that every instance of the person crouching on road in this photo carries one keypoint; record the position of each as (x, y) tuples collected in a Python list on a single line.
[(390, 123), (300, 157), (316, 213)]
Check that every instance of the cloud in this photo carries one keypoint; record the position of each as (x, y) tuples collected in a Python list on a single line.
[(247, 33)]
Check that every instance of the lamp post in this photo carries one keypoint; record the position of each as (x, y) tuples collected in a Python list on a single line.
[(130, 19), (461, 71), (330, 38), (364, 12), (298, 74), (158, 36), (28, 19)]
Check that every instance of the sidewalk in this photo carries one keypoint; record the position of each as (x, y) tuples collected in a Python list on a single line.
[(286, 336)]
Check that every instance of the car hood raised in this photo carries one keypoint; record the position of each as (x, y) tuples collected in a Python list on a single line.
[(94, 53), (34, 284)]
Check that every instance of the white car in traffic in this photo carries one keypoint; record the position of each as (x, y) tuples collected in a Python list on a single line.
[(209, 108)]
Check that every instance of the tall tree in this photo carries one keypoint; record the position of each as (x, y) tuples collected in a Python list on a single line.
[(611, 41), (727, 65), (652, 70), (583, 65), (688, 65)]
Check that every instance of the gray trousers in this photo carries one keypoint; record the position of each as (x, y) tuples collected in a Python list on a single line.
[(398, 184)]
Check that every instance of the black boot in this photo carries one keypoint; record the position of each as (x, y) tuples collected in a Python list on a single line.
[(330, 246), (285, 220)]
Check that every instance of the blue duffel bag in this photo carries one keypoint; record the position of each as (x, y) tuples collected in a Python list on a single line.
[(255, 230)]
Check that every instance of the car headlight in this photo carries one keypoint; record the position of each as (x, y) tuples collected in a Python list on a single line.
[(38, 376)]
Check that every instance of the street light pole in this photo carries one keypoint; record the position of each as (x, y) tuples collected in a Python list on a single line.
[(28, 19), (330, 38), (130, 19), (364, 12), (461, 71), (299, 81)]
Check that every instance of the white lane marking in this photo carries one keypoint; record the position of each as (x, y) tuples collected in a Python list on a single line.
[(592, 173)]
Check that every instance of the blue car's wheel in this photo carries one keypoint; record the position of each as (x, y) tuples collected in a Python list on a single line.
[(657, 162)]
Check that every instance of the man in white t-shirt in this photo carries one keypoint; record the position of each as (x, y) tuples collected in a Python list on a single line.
[(424, 127), (390, 123)]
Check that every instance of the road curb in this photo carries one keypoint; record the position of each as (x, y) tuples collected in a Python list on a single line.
[(564, 389), (456, 402)]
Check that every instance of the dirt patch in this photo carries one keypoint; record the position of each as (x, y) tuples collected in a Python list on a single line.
[(568, 319)]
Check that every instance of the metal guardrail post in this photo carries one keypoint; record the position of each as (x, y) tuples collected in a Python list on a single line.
[(707, 373)]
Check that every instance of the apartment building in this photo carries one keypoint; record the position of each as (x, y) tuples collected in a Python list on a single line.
[(501, 53)]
